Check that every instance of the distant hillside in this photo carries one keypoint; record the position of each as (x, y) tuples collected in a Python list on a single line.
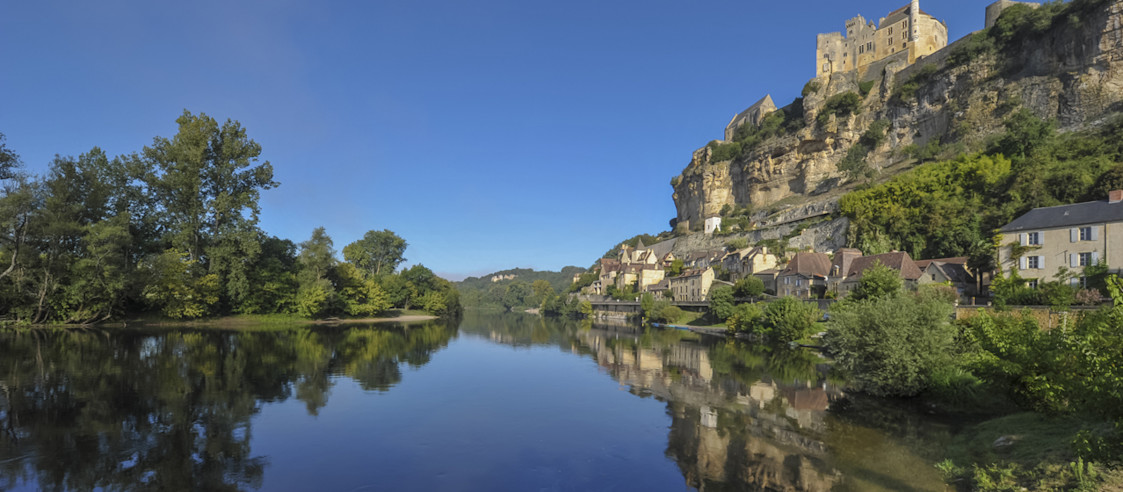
[(558, 280)]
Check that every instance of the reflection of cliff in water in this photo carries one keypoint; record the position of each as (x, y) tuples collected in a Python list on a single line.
[(742, 417), (85, 409)]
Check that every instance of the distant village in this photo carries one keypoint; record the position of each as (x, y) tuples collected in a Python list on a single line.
[(1040, 245)]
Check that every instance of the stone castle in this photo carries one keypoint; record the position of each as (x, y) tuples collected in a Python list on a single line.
[(908, 33)]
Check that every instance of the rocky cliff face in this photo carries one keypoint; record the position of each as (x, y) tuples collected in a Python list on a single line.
[(1073, 74)]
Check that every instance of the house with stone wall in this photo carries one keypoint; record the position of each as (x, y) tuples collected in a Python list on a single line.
[(1044, 242)]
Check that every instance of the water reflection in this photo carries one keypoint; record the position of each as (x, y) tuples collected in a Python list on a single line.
[(172, 409), (82, 409), (747, 417)]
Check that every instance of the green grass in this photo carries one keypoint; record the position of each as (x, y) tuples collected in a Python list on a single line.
[(1040, 456)]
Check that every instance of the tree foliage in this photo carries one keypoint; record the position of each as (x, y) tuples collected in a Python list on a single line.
[(893, 344), (173, 230), (377, 250)]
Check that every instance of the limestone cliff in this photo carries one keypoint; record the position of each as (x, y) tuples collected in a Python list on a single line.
[(1073, 74)]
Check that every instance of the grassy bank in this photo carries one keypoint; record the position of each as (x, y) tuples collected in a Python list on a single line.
[(1027, 451)]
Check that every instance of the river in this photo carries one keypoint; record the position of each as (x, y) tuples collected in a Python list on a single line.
[(511, 402)]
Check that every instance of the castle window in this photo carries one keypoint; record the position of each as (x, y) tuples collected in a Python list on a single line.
[(890, 40), (890, 31)]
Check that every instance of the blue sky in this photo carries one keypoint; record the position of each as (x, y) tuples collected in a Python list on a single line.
[(489, 134)]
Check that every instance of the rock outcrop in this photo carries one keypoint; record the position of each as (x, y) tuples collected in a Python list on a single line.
[(1072, 74)]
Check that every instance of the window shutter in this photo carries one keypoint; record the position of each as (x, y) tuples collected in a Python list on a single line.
[(1075, 282), (1095, 233), (1041, 238), (1024, 239), (1041, 262), (1022, 263), (1074, 260), (1073, 235), (1095, 257)]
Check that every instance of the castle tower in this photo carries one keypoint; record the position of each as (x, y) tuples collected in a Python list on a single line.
[(914, 20)]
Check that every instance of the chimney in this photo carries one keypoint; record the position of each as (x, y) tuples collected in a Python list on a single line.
[(1115, 196)]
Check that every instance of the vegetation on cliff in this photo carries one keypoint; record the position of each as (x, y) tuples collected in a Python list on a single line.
[(951, 208)]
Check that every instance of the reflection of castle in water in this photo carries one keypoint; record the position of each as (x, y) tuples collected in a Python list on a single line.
[(754, 433)]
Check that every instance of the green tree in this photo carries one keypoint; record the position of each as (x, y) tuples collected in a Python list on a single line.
[(208, 182), (791, 319), (376, 251), (892, 344), (676, 268), (746, 318), (516, 295), (721, 302), (9, 160), (177, 289), (361, 294), (878, 281), (316, 295), (748, 287)]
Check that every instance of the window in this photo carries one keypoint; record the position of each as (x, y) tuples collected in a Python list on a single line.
[(1033, 239), (890, 31), (1085, 233), (1033, 262), (1085, 259), (1031, 283)]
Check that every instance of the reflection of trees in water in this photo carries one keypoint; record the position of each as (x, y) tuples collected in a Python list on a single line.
[(87, 409)]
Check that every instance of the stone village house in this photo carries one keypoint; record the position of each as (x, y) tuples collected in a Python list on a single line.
[(1043, 242)]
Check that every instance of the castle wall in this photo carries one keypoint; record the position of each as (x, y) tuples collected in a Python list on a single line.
[(866, 43)]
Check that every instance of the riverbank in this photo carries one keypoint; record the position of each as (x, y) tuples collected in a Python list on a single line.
[(245, 321)]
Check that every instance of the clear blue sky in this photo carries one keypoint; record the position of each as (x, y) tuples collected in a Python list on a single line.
[(489, 134)]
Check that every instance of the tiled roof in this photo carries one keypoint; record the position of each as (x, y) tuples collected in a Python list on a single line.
[(899, 261), (1097, 212), (958, 260), (808, 265)]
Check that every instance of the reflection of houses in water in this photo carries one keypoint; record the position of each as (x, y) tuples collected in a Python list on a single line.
[(762, 435)]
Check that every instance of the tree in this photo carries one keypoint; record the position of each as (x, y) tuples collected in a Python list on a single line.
[(177, 288), (721, 302), (676, 268), (316, 295), (317, 257), (542, 290), (878, 281), (9, 160), (207, 181), (361, 294), (791, 319), (516, 295), (748, 287), (746, 318), (892, 345), (376, 251)]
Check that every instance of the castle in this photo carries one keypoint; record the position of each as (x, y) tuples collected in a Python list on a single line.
[(907, 33)]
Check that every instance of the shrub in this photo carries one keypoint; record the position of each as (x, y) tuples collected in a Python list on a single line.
[(878, 281), (721, 302), (746, 318), (790, 319), (892, 345), (811, 87), (839, 105), (748, 287), (724, 151), (864, 88)]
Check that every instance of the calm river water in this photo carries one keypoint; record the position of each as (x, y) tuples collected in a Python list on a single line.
[(509, 402)]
